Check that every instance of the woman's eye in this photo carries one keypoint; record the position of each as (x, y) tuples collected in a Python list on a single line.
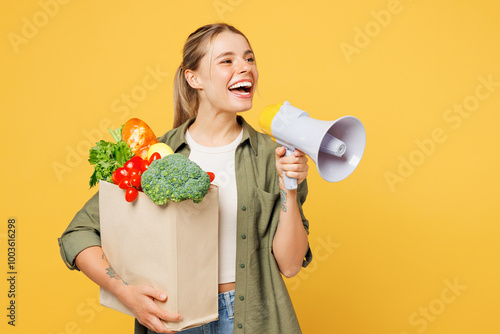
[(226, 61), (251, 60)]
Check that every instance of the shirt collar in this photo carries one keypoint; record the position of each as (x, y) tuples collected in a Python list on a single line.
[(179, 140), (249, 134)]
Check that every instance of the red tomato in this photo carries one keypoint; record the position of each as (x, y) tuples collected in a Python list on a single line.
[(119, 175), (212, 176), (134, 163), (125, 183), (154, 156), (134, 172), (131, 194), (135, 181), (145, 166)]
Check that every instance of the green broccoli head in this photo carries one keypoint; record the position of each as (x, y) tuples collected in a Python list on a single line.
[(175, 178)]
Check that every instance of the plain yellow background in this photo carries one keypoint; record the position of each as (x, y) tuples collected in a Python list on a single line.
[(409, 243)]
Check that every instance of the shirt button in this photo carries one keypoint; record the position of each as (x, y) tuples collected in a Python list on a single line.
[(240, 326), (242, 265), (244, 208), (243, 236), (242, 298)]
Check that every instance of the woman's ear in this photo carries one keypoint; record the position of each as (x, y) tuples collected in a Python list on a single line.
[(192, 79)]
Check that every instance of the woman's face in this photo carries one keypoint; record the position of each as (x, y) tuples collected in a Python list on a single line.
[(227, 74)]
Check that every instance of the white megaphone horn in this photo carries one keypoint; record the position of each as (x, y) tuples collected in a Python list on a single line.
[(336, 147)]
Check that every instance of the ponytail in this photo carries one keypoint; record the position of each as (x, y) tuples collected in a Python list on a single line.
[(185, 99)]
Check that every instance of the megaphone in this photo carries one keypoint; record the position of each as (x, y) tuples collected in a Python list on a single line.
[(336, 147)]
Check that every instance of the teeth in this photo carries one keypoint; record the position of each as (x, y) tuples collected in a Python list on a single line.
[(241, 84)]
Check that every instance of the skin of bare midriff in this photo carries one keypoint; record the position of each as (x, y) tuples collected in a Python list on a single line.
[(226, 287)]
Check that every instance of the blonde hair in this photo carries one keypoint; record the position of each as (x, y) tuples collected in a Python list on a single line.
[(186, 100)]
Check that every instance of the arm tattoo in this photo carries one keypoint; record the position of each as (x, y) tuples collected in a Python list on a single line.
[(112, 274), (283, 196)]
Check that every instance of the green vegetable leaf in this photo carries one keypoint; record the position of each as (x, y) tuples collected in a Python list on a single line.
[(117, 133), (106, 158)]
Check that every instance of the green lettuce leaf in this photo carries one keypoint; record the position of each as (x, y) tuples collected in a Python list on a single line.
[(106, 158)]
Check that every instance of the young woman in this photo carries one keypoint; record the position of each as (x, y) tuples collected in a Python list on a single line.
[(263, 232)]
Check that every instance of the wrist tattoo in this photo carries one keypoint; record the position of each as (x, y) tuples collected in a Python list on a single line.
[(283, 196)]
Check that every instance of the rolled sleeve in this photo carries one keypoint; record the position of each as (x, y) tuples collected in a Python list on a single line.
[(73, 243), (82, 232)]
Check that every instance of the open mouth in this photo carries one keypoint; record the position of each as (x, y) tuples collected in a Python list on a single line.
[(243, 88)]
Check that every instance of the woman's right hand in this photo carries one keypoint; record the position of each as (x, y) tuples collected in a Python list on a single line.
[(140, 300)]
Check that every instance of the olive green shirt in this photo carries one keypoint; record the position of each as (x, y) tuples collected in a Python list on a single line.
[(262, 303)]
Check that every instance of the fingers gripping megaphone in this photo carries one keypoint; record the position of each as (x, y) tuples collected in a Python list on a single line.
[(336, 147)]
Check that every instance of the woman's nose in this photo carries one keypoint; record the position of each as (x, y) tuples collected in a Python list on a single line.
[(243, 67)]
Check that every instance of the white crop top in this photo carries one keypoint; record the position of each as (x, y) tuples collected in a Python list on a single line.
[(220, 161)]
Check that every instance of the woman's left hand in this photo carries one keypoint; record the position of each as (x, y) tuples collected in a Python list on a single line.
[(294, 166)]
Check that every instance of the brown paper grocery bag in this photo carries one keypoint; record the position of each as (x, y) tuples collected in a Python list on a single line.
[(173, 247)]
